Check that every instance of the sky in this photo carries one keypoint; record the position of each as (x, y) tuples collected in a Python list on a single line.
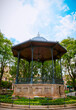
[(21, 20)]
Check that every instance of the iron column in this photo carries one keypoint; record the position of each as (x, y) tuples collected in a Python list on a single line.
[(61, 67), (32, 68), (52, 65), (55, 67), (42, 75), (18, 67)]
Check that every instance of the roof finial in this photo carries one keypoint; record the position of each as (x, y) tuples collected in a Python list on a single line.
[(38, 34)]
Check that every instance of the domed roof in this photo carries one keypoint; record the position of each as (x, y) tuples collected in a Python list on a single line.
[(39, 38), (41, 51)]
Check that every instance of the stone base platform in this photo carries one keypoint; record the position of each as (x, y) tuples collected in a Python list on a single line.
[(39, 90)]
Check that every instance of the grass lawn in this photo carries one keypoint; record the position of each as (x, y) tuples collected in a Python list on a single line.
[(66, 91)]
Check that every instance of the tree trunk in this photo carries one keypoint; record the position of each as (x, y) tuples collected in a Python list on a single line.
[(74, 83), (2, 71), (0, 86), (0, 82), (75, 88)]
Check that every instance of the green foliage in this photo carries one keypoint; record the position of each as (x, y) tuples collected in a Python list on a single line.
[(24, 69), (70, 45), (38, 101), (5, 54), (6, 84), (58, 69), (66, 91), (13, 69), (39, 70), (5, 48), (5, 98)]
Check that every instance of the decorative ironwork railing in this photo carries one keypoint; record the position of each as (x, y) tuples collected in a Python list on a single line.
[(39, 80)]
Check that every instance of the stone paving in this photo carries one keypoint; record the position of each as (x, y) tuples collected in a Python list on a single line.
[(35, 109), (5, 106)]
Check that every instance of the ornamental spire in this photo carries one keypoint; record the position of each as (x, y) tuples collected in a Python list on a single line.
[(38, 34)]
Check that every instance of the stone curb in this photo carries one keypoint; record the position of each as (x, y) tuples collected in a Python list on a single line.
[(38, 107)]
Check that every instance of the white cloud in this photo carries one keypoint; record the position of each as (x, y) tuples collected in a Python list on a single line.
[(59, 5), (22, 22), (22, 19), (66, 27)]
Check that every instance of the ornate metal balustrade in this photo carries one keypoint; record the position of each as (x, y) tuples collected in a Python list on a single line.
[(39, 80)]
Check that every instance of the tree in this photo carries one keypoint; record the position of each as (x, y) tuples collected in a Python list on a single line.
[(70, 45), (5, 54), (24, 69), (40, 71)]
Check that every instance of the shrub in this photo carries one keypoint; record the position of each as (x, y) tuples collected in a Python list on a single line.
[(6, 84)]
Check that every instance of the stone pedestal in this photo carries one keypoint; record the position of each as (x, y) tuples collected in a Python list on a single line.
[(39, 90)]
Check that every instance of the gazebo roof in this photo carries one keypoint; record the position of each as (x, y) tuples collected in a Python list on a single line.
[(39, 39), (41, 49)]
